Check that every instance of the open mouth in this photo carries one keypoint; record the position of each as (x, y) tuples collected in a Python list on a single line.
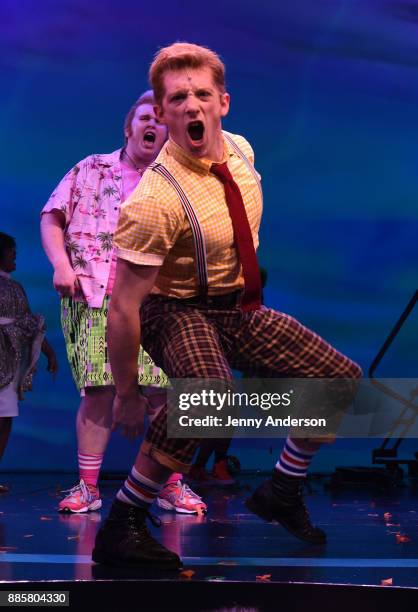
[(149, 137), (196, 130)]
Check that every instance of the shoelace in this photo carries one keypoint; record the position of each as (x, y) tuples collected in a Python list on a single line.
[(186, 490), (155, 520), (81, 486), (141, 532)]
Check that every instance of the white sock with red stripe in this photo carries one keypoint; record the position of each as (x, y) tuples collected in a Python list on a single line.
[(138, 490), (89, 467), (296, 457)]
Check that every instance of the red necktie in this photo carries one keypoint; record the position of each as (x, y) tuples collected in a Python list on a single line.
[(251, 299)]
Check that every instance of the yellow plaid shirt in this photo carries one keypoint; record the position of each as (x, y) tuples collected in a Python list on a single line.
[(154, 230)]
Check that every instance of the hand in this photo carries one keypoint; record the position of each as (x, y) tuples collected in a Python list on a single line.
[(157, 398), (48, 351), (20, 394), (52, 365), (129, 414), (65, 280)]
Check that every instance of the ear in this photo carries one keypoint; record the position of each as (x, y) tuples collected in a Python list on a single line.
[(159, 113), (225, 102)]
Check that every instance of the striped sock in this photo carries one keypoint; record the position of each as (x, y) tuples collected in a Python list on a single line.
[(138, 490), (89, 467), (295, 458)]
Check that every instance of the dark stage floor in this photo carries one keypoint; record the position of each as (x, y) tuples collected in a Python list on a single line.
[(371, 537)]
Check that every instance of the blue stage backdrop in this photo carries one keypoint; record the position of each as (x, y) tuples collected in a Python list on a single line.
[(327, 93)]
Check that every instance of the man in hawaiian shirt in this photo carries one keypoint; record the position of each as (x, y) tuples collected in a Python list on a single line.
[(77, 227)]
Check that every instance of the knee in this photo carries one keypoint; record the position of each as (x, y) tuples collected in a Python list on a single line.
[(353, 370), (98, 399)]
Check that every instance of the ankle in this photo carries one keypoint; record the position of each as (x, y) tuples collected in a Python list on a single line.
[(121, 510), (284, 477), (287, 486)]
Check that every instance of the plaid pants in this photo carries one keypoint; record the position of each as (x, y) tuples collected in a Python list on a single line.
[(201, 342)]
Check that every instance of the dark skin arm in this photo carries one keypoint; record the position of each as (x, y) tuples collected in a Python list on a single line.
[(51, 357)]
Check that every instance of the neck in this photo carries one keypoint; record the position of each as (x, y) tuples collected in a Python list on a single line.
[(137, 162), (218, 151)]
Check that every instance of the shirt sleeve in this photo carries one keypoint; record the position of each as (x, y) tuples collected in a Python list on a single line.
[(149, 224), (66, 195)]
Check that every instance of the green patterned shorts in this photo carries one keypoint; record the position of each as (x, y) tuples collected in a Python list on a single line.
[(84, 331)]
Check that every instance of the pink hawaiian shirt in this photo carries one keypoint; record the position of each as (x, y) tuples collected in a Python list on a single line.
[(90, 195), (130, 178)]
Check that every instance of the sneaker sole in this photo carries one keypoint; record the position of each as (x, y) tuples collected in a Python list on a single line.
[(264, 514), (96, 505), (166, 505), (103, 559)]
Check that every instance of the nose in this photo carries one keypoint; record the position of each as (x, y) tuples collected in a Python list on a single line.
[(192, 107)]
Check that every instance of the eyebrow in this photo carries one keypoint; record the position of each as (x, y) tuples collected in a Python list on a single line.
[(184, 92), (178, 92)]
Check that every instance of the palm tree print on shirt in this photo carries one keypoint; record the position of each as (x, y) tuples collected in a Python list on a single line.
[(106, 240)]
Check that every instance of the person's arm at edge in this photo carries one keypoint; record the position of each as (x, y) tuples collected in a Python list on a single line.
[(49, 353)]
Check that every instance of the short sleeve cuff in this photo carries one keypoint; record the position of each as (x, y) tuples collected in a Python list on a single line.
[(51, 208), (145, 259)]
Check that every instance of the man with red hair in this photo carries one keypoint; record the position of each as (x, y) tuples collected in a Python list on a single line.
[(186, 255)]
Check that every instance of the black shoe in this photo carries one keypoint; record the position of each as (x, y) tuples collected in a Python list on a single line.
[(124, 540), (280, 499)]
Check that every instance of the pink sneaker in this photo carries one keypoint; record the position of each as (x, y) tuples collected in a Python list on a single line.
[(81, 498), (179, 497)]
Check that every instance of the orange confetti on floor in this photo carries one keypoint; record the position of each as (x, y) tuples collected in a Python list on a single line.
[(187, 574), (402, 539), (263, 577)]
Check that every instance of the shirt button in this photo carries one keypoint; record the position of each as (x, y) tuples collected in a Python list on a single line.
[(107, 261), (101, 286)]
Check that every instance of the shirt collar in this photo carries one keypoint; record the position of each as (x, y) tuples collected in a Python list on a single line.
[(201, 165), (5, 274)]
